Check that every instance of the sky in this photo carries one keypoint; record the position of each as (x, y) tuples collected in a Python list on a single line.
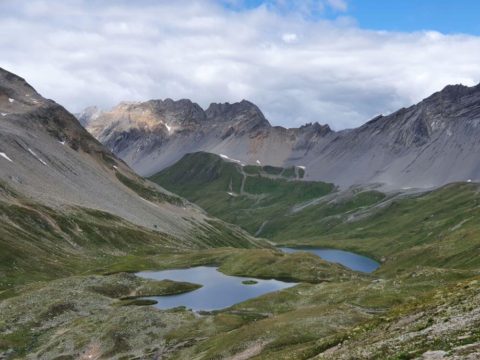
[(336, 62)]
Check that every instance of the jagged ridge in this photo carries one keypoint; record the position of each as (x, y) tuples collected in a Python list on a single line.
[(426, 145)]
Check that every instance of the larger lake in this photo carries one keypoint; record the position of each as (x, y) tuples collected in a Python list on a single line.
[(348, 259), (219, 291)]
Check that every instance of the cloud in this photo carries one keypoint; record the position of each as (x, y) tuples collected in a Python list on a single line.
[(289, 37), (295, 68), (306, 8)]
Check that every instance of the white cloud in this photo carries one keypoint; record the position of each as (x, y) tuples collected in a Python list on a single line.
[(289, 37), (296, 69), (304, 7)]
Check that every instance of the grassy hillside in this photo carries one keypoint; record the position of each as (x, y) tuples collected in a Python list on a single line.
[(398, 229), (247, 196), (38, 242), (437, 228)]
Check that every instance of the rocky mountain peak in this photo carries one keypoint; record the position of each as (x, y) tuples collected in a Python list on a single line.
[(451, 107), (88, 114), (452, 97), (454, 92), (160, 116), (22, 107), (12, 82), (16, 95), (241, 117), (454, 105), (316, 128), (182, 111)]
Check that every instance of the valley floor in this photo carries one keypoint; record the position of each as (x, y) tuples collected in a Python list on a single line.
[(333, 313)]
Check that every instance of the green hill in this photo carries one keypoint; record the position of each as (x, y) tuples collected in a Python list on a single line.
[(434, 228), (247, 196)]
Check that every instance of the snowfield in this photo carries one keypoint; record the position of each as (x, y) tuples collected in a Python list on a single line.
[(230, 159)]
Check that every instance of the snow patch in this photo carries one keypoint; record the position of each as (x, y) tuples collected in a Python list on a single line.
[(37, 157), (115, 167), (232, 194), (230, 159), (62, 142), (11, 100), (258, 162), (169, 128), (469, 180), (5, 156), (302, 167), (4, 114)]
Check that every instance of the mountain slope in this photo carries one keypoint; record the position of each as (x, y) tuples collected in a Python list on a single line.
[(403, 229), (65, 198), (248, 196), (426, 145)]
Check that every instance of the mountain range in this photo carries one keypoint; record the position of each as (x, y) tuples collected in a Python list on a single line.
[(429, 144), (77, 224)]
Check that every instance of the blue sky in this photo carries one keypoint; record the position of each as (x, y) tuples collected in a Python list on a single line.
[(337, 62), (445, 16)]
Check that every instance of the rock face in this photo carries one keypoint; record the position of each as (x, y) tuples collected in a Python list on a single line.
[(425, 145), (47, 158)]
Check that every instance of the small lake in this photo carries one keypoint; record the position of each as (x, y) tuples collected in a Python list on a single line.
[(348, 259), (219, 291)]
